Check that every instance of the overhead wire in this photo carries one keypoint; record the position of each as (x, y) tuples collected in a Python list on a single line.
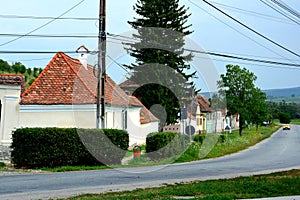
[(246, 63), (253, 13), (251, 29), (121, 66), (42, 26), (247, 55), (243, 58), (46, 36), (246, 36), (279, 11), (47, 17), (186, 49), (284, 6), (114, 37)]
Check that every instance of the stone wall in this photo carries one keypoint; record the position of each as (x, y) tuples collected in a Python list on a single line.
[(5, 154)]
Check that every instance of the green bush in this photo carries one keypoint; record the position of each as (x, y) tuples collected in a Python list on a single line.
[(284, 118), (161, 145), (199, 138), (55, 147), (2, 164)]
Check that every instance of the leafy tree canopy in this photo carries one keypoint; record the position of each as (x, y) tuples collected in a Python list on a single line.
[(19, 68), (242, 97)]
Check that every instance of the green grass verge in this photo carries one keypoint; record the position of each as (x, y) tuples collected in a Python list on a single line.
[(295, 121), (232, 144), (74, 168), (235, 143), (272, 185)]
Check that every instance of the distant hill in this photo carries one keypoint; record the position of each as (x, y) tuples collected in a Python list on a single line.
[(283, 93), (278, 95)]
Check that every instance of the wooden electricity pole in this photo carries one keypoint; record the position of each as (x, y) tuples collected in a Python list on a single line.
[(101, 76)]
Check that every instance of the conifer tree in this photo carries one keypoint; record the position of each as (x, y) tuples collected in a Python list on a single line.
[(161, 66)]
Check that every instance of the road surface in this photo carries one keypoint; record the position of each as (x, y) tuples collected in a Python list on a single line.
[(280, 152)]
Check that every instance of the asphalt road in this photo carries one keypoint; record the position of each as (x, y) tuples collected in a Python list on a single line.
[(280, 152)]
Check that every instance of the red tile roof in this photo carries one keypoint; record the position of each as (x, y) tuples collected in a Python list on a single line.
[(13, 80), (65, 81), (203, 102), (145, 116), (200, 100)]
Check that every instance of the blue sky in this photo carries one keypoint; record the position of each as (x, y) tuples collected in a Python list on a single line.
[(212, 32)]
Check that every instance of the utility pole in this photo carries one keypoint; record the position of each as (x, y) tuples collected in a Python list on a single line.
[(101, 76)]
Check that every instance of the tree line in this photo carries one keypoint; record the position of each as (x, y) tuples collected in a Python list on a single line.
[(283, 110), (18, 68)]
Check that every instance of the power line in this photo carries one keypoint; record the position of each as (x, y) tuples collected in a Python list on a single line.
[(114, 37), (236, 30), (286, 7), (252, 13), (49, 22), (121, 66), (280, 12), (252, 30), (246, 63), (63, 36), (47, 17), (46, 36), (243, 58), (241, 55), (191, 50)]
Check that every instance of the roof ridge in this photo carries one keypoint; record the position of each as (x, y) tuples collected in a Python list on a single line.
[(76, 72), (40, 75)]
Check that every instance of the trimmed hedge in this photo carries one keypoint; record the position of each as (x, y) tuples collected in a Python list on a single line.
[(54, 147), (161, 145)]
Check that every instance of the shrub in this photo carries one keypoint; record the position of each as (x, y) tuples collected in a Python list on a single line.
[(165, 144), (55, 147), (2, 164), (199, 138), (284, 118)]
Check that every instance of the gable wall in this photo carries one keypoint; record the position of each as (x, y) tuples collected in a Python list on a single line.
[(10, 98)]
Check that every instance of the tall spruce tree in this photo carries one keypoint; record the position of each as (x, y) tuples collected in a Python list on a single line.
[(161, 68)]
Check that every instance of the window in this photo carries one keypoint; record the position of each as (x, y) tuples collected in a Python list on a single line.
[(199, 121), (124, 117)]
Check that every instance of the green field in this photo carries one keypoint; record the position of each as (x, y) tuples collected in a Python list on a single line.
[(286, 99)]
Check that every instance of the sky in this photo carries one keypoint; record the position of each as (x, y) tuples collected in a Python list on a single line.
[(213, 32)]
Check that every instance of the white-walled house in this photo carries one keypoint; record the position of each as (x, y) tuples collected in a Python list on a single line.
[(64, 95), (203, 118)]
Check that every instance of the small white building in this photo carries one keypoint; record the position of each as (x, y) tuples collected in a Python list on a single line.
[(64, 95)]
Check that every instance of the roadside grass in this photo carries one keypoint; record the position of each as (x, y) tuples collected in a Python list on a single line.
[(295, 121), (75, 168), (233, 143), (260, 186)]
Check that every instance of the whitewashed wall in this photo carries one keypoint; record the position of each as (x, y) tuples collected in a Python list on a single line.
[(10, 98), (84, 116)]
